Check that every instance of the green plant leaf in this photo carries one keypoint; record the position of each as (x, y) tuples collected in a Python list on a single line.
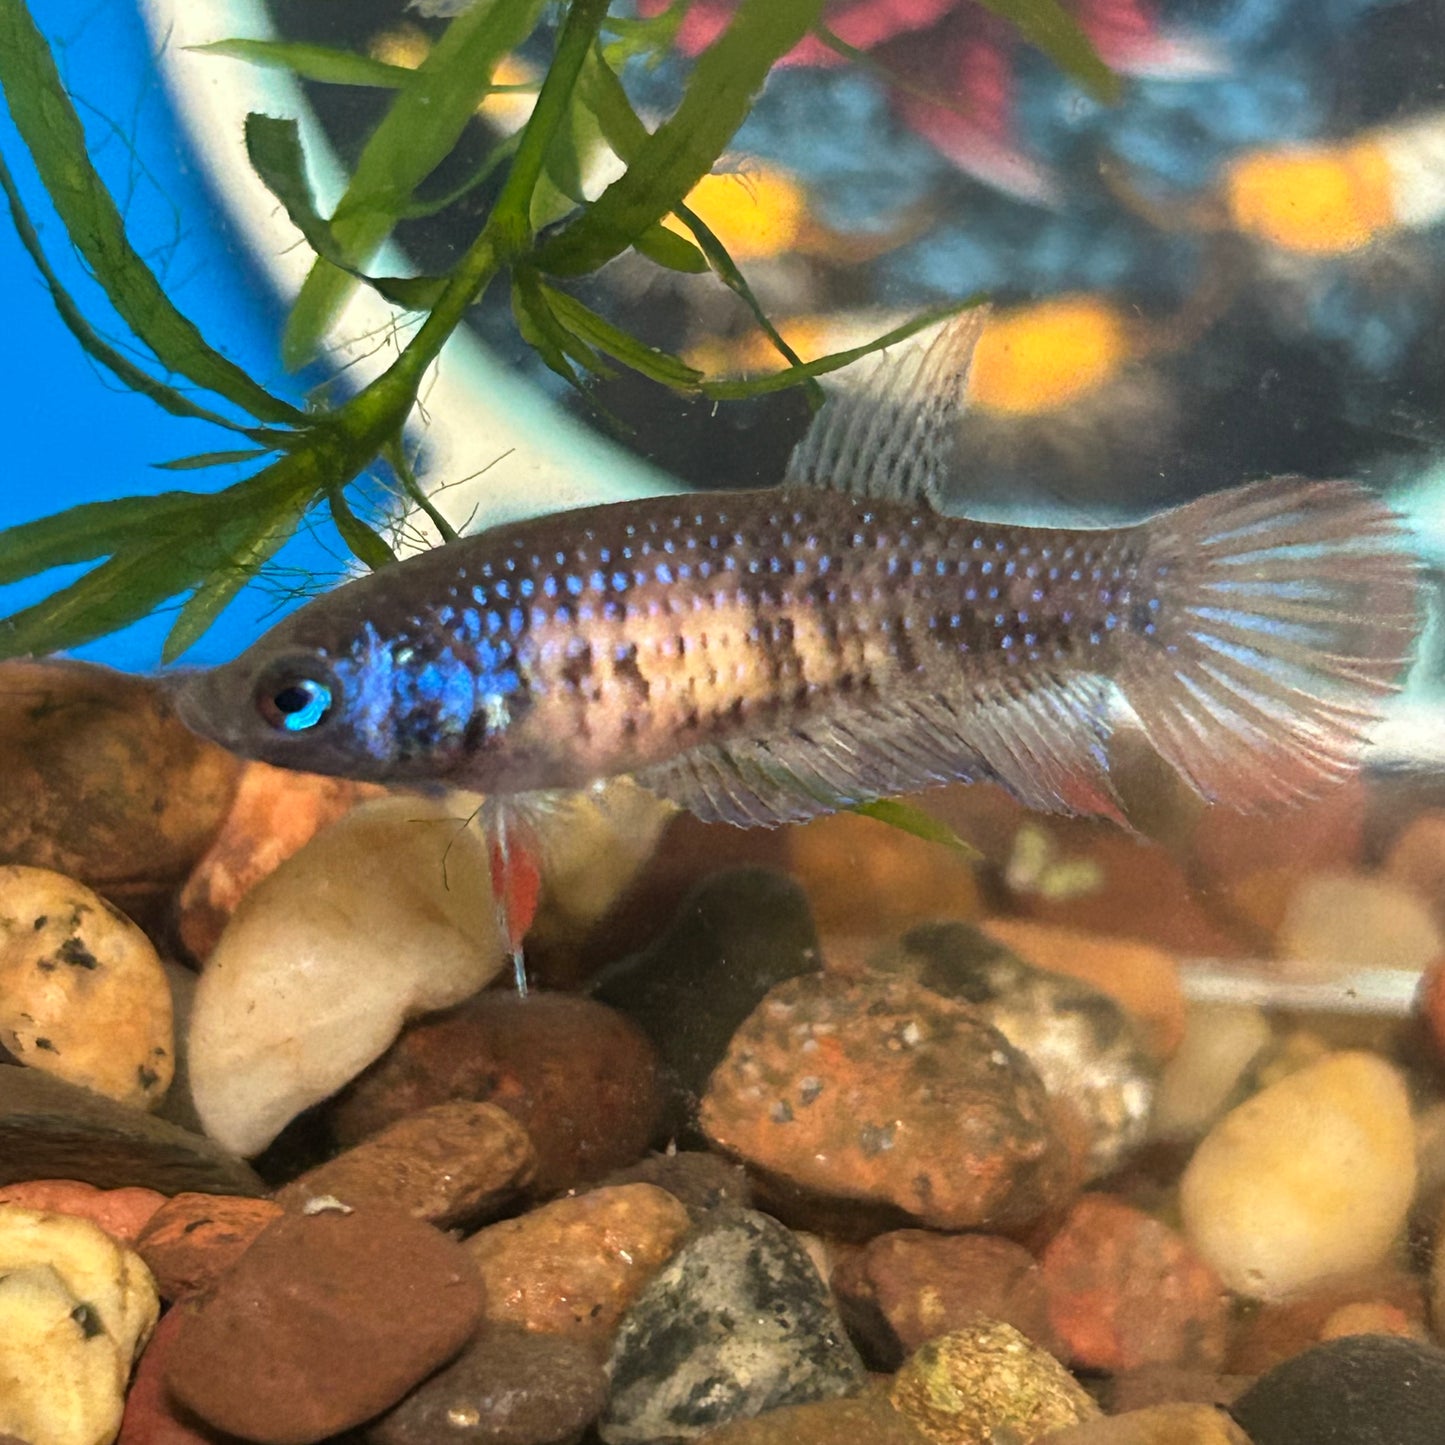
[(1046, 25), (246, 546), (48, 124), (99, 529), (666, 248), (364, 541), (210, 459), (539, 329), (670, 162), (424, 122), (781, 380), (311, 62), (910, 819), (597, 332)]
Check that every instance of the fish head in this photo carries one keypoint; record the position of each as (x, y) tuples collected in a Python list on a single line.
[(356, 703)]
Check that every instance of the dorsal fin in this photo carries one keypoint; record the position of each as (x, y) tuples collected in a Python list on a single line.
[(895, 438)]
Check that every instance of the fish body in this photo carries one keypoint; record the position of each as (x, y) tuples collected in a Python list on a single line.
[(766, 656)]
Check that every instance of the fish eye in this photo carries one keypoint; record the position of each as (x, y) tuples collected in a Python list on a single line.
[(294, 702)]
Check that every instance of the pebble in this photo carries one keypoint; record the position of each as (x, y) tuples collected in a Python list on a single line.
[(75, 1310), (572, 1267), (889, 1094), (703, 1183), (1143, 979), (733, 937), (1088, 1051), (53, 1130), (1417, 859), (1159, 1425), (738, 1322), (452, 1164), (192, 1239), (987, 1383), (1341, 921), (384, 915), (868, 1419), (581, 1079), (275, 812), (1172, 1385), (1385, 1300), (103, 782), (1311, 1177), (1366, 1390), (909, 1286), (82, 992), (326, 1320), (151, 1418), (122, 1213), (863, 877), (508, 1387), (1221, 1042), (1125, 1290)]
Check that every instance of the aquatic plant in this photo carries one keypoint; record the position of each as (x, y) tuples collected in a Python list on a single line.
[(540, 232)]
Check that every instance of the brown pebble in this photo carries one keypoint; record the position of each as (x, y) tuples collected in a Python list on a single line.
[(581, 1079), (703, 1183), (1159, 1425), (275, 812), (150, 1415), (452, 1164), (122, 1213), (573, 1266), (1172, 1385), (1377, 1301), (104, 783), (191, 1240), (326, 1320), (866, 1419), (909, 1286), (508, 1387), (886, 1093), (1125, 1290)]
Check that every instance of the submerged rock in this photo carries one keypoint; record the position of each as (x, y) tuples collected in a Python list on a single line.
[(83, 995), (737, 1323), (887, 1093), (385, 915)]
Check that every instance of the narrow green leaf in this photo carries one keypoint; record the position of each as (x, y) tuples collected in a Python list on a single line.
[(596, 331), (499, 154), (539, 329), (312, 62), (670, 162), (667, 248), (1048, 26), (366, 543), (245, 548), (210, 459), (48, 124), (781, 380), (600, 89), (411, 293), (418, 132), (909, 819), (99, 529)]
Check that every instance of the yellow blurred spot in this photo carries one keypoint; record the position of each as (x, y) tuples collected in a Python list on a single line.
[(760, 214), (1322, 202), (406, 47), (809, 336), (1043, 357), (509, 111)]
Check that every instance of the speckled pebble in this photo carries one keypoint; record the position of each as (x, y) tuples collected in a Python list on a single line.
[(122, 1213), (508, 1387), (982, 1384), (1366, 1390), (1311, 1177), (889, 1094), (1087, 1049), (737, 1323), (192, 1239), (326, 1320), (452, 1164), (82, 992), (1125, 1290), (865, 1419), (573, 1266)]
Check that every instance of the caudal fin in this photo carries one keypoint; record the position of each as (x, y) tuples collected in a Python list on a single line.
[(1287, 614)]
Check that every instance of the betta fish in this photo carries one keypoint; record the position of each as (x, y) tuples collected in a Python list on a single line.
[(763, 657)]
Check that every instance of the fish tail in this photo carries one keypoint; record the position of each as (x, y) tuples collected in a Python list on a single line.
[(1281, 618)]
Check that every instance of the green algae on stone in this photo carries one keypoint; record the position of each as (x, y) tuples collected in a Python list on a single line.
[(988, 1385)]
